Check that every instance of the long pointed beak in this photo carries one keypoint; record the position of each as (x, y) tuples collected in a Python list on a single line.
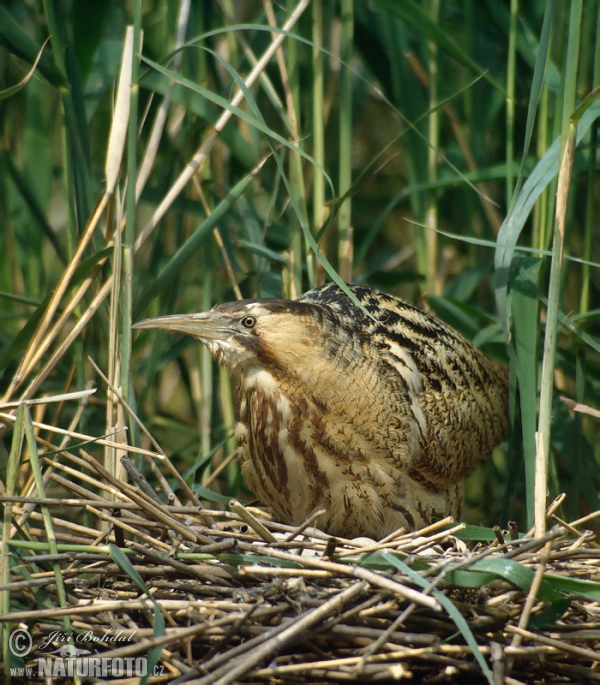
[(205, 326)]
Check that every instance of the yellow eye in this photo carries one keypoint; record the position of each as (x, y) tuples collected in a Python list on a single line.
[(248, 322)]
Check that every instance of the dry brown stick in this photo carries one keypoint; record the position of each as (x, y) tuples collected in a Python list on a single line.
[(562, 646), (417, 546), (585, 519), (205, 572), (583, 674), (136, 476), (79, 489), (185, 606), (380, 640), (531, 597), (119, 523), (172, 635), (229, 672), (220, 468), (588, 537), (400, 620), (63, 523), (54, 501), (526, 545), (302, 527), (375, 633), (396, 655), (46, 477), (355, 572), (80, 436), (48, 578), (401, 533), (38, 343), (251, 520), (268, 571), (233, 630), (150, 507), (402, 545), (571, 528)]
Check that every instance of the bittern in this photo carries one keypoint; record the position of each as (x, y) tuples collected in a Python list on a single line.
[(376, 418)]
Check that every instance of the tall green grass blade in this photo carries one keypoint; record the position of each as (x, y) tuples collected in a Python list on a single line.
[(13, 90), (21, 44), (567, 153), (539, 74), (590, 213), (345, 142), (318, 120), (544, 172), (486, 570), (525, 316), (511, 78)]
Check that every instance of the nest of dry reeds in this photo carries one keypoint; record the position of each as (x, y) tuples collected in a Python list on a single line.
[(210, 596)]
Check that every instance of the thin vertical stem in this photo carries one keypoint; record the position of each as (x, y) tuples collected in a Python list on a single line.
[(591, 186), (510, 99), (318, 120), (206, 366), (345, 170), (568, 133), (431, 215), (127, 283)]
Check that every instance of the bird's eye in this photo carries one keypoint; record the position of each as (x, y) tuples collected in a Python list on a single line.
[(248, 322)]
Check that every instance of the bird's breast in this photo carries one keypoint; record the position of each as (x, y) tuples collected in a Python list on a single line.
[(276, 446), (301, 451)]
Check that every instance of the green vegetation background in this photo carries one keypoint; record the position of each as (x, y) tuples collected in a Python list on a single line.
[(401, 137)]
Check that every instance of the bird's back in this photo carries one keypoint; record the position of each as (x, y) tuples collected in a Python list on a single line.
[(458, 396)]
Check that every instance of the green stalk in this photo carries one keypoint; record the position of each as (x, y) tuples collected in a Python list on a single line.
[(318, 119), (300, 254), (591, 185), (431, 214), (206, 365), (568, 133), (510, 99), (345, 145), (540, 216), (77, 181)]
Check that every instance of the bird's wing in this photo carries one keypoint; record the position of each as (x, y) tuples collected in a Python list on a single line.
[(459, 397)]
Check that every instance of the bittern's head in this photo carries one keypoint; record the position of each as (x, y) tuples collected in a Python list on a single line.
[(264, 332)]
